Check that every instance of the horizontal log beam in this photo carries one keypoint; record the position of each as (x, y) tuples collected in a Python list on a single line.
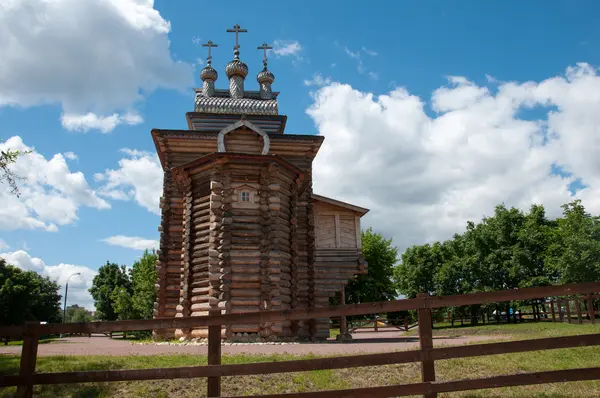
[(317, 312)]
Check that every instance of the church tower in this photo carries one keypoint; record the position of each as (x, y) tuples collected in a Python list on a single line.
[(241, 229)]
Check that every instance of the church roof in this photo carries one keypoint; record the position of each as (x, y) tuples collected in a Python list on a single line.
[(361, 210), (224, 104), (211, 122)]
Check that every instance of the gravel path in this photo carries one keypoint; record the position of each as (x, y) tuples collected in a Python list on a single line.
[(366, 342)]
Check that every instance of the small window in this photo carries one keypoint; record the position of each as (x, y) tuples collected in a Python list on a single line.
[(245, 196)]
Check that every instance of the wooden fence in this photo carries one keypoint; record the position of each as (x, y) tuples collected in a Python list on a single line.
[(426, 355), (381, 325)]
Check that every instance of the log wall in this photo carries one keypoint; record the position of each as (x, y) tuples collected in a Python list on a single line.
[(219, 255)]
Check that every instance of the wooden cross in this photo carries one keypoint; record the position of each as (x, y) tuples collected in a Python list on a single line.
[(237, 30), (210, 45), (265, 47)]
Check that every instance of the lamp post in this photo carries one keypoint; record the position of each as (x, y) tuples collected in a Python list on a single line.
[(66, 291)]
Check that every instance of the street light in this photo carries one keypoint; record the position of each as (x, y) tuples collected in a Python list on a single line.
[(66, 291)]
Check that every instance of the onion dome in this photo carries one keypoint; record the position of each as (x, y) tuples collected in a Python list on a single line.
[(265, 76), (208, 73)]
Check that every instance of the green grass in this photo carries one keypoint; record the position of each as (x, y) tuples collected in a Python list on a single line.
[(20, 342), (519, 330), (336, 378), (333, 333)]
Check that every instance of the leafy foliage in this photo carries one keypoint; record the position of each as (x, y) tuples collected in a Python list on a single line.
[(110, 278), (143, 278), (119, 294), (508, 250), (77, 314), (27, 296), (377, 285), (6, 174)]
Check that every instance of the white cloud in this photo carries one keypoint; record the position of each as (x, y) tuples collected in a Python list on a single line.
[(370, 52), (3, 245), (424, 177), (50, 193), (360, 65), (78, 284), (70, 155), (196, 40), (91, 121), (131, 242), (355, 55), (318, 80), (139, 177), (97, 58), (285, 48)]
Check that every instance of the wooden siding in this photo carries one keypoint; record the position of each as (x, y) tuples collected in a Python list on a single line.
[(336, 227), (244, 140)]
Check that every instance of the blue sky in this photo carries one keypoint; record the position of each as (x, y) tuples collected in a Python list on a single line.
[(359, 51)]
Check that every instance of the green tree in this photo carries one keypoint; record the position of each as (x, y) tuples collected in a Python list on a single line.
[(110, 277), (143, 278), (574, 254), (378, 284), (415, 274), (27, 296), (123, 304), (77, 314)]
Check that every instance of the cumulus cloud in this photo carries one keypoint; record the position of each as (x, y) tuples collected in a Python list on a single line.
[(139, 177), (425, 176), (286, 48), (3, 245), (318, 80), (78, 284), (50, 193), (70, 155), (104, 124), (61, 52), (131, 242)]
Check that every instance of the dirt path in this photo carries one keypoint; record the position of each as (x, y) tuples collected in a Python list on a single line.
[(366, 342)]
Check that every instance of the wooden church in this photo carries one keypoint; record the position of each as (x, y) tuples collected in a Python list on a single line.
[(241, 229)]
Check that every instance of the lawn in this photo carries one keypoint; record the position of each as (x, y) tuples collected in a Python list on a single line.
[(46, 340), (338, 378)]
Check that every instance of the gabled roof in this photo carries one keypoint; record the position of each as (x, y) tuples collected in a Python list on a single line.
[(160, 135), (361, 210)]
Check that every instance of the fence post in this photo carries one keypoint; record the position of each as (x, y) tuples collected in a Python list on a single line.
[(376, 323), (426, 345), (406, 324), (552, 310), (578, 307), (591, 313), (568, 306), (214, 358), (31, 339)]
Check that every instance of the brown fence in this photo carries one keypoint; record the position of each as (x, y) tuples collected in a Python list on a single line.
[(427, 355)]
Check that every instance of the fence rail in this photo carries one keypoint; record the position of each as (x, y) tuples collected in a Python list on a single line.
[(427, 355)]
